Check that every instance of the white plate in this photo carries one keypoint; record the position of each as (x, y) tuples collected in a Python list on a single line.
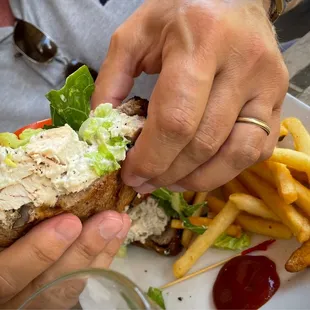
[(147, 268)]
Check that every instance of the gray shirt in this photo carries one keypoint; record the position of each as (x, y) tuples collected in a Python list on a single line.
[(81, 29)]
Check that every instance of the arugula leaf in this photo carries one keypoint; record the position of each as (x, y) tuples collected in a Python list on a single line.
[(157, 296), (190, 210), (162, 193), (71, 104), (230, 243), (194, 228), (176, 206), (166, 206)]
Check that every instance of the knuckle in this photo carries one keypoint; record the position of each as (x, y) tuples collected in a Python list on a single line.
[(48, 255), (84, 250), (178, 123), (111, 250), (8, 287), (239, 158), (73, 289), (204, 146), (149, 170), (266, 154), (62, 295), (117, 39), (257, 47), (39, 282)]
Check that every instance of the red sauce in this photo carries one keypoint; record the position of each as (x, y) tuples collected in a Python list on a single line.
[(260, 247), (245, 282)]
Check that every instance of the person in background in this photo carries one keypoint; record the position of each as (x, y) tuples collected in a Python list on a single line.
[(202, 64)]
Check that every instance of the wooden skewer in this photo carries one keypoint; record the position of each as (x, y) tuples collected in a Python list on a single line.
[(196, 273)]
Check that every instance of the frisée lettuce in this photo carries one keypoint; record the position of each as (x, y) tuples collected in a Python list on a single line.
[(102, 131)]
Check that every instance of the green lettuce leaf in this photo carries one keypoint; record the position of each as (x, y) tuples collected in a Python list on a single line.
[(194, 228), (230, 243), (71, 104), (8, 139), (166, 206), (102, 160), (156, 295), (176, 206), (99, 130), (163, 194)]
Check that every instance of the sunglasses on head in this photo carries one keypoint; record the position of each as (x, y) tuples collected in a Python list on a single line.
[(39, 48)]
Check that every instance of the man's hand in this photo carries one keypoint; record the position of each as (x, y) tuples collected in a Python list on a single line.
[(217, 60), (56, 247)]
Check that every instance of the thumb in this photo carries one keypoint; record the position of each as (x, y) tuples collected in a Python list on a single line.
[(116, 76)]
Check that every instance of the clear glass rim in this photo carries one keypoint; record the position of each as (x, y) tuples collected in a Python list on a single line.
[(111, 275)]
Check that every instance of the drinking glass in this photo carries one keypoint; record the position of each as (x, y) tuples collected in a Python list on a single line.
[(90, 289)]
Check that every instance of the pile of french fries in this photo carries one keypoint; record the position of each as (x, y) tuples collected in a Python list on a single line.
[(271, 198)]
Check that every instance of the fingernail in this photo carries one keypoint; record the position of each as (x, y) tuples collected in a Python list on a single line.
[(127, 222), (145, 189), (176, 188), (68, 229), (110, 226), (135, 181)]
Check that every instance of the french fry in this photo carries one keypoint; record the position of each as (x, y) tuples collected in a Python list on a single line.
[(215, 204), (299, 176), (232, 230), (300, 134), (303, 201), (300, 259), (233, 186), (264, 227), (262, 170), (189, 196), (297, 223), (294, 159), (284, 181), (283, 132), (254, 224), (187, 234), (203, 242), (253, 205)]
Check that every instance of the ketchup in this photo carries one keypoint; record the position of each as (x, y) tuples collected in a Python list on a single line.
[(245, 282)]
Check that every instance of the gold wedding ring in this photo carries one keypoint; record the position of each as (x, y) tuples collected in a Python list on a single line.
[(254, 121)]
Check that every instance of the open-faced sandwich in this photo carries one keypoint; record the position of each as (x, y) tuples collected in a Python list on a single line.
[(73, 165)]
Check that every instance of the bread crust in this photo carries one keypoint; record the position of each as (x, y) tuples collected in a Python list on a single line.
[(105, 193)]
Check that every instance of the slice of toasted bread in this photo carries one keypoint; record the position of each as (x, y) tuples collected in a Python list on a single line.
[(106, 193)]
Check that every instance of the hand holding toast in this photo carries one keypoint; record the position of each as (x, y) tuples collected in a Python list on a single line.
[(53, 248), (216, 61)]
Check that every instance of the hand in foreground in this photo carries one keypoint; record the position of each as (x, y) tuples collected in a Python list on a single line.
[(217, 60), (53, 248)]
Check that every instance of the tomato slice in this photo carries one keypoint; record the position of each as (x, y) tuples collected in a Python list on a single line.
[(36, 125)]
